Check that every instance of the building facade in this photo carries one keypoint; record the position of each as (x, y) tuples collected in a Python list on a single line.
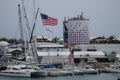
[(75, 31)]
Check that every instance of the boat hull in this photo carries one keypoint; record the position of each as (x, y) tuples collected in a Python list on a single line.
[(90, 71), (39, 73), (16, 74), (58, 73)]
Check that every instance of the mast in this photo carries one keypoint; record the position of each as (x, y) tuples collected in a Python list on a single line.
[(20, 23), (33, 26), (26, 19), (34, 8), (32, 46)]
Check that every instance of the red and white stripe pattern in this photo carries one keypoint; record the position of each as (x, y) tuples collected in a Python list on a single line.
[(49, 20), (71, 55)]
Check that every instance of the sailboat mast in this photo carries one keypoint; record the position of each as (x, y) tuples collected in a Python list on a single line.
[(26, 18), (20, 23), (34, 6), (34, 25)]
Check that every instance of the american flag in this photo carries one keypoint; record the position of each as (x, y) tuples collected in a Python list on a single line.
[(47, 20), (71, 55)]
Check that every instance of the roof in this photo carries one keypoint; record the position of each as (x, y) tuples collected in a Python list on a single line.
[(90, 53), (4, 43), (14, 49), (48, 45)]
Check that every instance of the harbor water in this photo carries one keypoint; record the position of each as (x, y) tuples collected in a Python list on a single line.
[(101, 76)]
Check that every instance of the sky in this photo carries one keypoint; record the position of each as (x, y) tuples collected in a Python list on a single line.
[(104, 16)]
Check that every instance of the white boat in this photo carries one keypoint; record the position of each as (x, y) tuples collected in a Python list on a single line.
[(64, 72), (90, 71), (78, 72), (23, 71), (41, 73), (18, 71), (87, 69), (58, 72), (74, 70), (112, 69)]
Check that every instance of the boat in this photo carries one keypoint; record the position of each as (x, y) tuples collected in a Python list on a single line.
[(73, 70), (78, 72), (41, 72), (90, 71), (118, 77), (64, 72), (22, 71), (18, 71), (61, 71), (54, 71), (87, 69), (58, 72), (112, 69)]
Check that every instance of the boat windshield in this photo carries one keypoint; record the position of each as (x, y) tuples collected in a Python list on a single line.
[(15, 69)]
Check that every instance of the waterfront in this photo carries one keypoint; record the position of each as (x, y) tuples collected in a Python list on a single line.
[(101, 76), (108, 48)]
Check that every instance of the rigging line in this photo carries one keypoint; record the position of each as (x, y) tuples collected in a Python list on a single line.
[(33, 46), (34, 25), (26, 18)]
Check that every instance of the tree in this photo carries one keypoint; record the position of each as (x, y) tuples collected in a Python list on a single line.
[(3, 39), (111, 37), (55, 40)]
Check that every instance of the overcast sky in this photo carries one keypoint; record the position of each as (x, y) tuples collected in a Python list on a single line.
[(104, 16)]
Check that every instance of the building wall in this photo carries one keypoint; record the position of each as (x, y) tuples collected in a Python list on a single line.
[(76, 32)]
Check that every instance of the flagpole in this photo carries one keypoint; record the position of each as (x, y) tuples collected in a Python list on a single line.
[(73, 63)]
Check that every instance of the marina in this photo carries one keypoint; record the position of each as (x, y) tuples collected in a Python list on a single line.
[(72, 56), (65, 71)]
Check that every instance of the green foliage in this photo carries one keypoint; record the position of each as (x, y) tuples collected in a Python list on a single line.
[(55, 40), (103, 40), (11, 41)]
